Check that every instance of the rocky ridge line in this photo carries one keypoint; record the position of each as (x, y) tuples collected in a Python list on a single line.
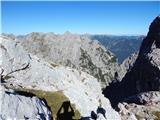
[(76, 51)]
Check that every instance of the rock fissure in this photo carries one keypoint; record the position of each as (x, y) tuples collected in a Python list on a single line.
[(8, 75)]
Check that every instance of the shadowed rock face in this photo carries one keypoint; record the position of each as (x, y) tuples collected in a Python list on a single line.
[(145, 74)]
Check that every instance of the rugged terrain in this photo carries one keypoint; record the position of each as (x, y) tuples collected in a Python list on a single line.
[(76, 51), (46, 75), (121, 46), (129, 62), (141, 106), (58, 85), (143, 77)]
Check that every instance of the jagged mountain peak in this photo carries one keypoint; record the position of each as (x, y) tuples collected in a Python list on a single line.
[(153, 37), (67, 33), (155, 25)]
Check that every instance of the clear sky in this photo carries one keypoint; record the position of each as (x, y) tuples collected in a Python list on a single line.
[(78, 17)]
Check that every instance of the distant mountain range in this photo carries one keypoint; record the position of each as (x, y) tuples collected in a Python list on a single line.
[(121, 46)]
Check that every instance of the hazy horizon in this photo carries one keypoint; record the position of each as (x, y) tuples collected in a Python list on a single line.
[(76, 33)]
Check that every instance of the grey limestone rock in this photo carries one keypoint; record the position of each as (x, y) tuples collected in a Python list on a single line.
[(15, 106), (76, 51), (143, 106), (26, 71)]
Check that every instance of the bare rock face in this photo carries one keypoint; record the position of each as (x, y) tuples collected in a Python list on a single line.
[(129, 62), (144, 98), (76, 51), (15, 106), (145, 74), (26, 71)]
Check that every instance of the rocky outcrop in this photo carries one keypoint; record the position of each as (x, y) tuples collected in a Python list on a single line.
[(145, 74), (15, 106), (144, 98), (129, 62), (20, 70), (76, 51), (141, 106)]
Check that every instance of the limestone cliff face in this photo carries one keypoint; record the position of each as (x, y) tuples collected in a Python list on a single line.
[(76, 51), (145, 74)]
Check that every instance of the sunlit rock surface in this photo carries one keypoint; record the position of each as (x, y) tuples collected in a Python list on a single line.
[(76, 51), (20, 69), (15, 106)]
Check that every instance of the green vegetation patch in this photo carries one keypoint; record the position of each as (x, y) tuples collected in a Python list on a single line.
[(2, 46), (54, 100), (113, 60), (7, 77), (157, 114), (54, 65)]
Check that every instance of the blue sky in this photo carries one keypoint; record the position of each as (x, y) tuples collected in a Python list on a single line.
[(116, 18)]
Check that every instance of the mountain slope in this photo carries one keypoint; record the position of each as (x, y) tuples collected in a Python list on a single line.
[(75, 51), (26, 72), (121, 46), (129, 62)]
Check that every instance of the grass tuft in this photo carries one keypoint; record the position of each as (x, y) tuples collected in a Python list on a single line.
[(7, 77), (157, 114)]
